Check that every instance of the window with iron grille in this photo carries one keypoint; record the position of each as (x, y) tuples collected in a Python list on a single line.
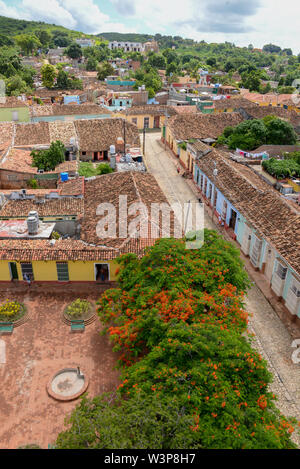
[(146, 122), (281, 271), (296, 288), (27, 271), (62, 271)]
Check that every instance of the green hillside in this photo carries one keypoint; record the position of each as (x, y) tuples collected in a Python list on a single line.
[(123, 37), (12, 27)]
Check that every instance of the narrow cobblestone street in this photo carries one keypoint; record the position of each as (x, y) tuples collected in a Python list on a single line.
[(272, 338)]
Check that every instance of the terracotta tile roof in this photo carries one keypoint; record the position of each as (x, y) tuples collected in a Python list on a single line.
[(234, 103), (150, 109), (185, 109), (199, 146), (185, 127), (62, 131), (99, 134), (269, 98), (32, 134), (138, 187), (276, 150), (258, 112), (64, 250), (45, 93), (6, 132), (20, 161), (71, 187), (263, 207), (42, 110), (76, 109), (56, 207), (12, 101)]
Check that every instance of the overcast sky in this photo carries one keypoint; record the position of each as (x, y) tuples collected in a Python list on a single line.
[(243, 22)]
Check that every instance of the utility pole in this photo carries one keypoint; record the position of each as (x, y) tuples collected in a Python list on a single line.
[(124, 136), (166, 122), (144, 140), (215, 174)]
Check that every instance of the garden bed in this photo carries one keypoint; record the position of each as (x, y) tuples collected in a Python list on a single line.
[(12, 311), (79, 309)]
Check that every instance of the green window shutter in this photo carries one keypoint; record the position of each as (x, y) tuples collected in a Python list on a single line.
[(62, 271)]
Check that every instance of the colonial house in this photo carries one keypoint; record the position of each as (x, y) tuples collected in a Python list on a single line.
[(264, 224), (96, 136), (182, 128), (149, 117), (28, 251)]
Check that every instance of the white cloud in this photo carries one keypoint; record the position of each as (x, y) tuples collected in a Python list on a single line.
[(82, 15), (10, 12), (51, 11)]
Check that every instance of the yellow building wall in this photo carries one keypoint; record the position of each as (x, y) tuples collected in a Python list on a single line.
[(4, 271), (184, 157), (171, 141), (294, 185), (140, 120), (46, 271)]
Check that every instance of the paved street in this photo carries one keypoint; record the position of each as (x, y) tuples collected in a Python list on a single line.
[(272, 339)]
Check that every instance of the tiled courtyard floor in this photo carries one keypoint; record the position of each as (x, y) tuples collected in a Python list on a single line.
[(38, 349)]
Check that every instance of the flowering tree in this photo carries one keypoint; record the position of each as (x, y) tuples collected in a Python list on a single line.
[(190, 377)]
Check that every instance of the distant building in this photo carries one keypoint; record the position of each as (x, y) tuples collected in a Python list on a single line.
[(126, 46), (151, 46), (85, 42)]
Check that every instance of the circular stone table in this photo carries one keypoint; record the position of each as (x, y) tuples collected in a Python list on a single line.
[(68, 384)]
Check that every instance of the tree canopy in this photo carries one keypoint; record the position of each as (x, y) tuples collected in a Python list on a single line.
[(48, 160), (190, 376), (251, 134)]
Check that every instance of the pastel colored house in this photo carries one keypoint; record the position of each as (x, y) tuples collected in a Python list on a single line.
[(264, 225), (89, 257), (149, 116)]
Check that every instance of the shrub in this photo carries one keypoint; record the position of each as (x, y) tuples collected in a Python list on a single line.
[(33, 183), (11, 310), (281, 169), (78, 308)]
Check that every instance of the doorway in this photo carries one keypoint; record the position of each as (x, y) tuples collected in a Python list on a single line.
[(232, 222), (157, 122), (13, 271), (102, 273)]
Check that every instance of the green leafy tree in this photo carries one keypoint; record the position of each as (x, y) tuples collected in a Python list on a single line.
[(157, 61), (48, 73), (279, 132), (104, 70), (281, 169), (6, 41), (62, 81), (92, 64), (48, 160), (74, 51), (15, 86), (28, 43), (10, 62), (252, 80), (62, 41), (191, 378), (44, 36)]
